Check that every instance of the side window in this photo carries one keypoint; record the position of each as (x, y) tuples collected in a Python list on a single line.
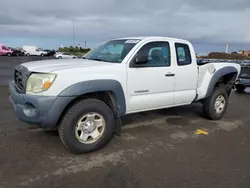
[(4, 48), (157, 54), (183, 54)]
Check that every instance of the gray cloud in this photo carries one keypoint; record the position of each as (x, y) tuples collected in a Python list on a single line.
[(213, 21)]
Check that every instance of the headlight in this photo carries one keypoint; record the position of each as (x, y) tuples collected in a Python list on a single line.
[(38, 82)]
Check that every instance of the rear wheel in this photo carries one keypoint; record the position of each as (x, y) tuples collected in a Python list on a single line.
[(215, 106), (28, 54), (87, 126), (240, 88)]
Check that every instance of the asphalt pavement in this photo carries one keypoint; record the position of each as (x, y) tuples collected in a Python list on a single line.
[(157, 149)]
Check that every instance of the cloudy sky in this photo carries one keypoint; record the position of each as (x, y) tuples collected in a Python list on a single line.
[(209, 24)]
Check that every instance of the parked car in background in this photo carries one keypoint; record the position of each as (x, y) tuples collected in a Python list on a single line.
[(33, 51), (50, 52), (242, 82), (5, 50), (65, 55), (17, 52)]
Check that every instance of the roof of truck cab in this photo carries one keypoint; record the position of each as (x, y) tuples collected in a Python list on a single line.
[(151, 37)]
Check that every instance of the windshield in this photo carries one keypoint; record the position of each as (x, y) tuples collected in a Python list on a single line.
[(112, 51)]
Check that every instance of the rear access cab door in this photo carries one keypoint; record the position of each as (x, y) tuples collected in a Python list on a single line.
[(186, 73)]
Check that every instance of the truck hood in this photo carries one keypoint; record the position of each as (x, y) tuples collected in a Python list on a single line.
[(54, 65)]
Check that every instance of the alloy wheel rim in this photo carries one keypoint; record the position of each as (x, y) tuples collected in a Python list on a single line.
[(90, 128), (220, 104)]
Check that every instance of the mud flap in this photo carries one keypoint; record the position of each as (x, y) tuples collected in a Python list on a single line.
[(118, 126)]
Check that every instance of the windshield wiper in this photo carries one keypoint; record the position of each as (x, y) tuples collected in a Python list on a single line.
[(96, 59)]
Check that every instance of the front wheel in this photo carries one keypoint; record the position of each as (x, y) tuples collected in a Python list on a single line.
[(87, 126), (215, 106)]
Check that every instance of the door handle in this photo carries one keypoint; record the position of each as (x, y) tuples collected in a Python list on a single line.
[(170, 74)]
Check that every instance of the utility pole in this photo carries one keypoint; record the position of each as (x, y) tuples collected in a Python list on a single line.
[(227, 48), (73, 32)]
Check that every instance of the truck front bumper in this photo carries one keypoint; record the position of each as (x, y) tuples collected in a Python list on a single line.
[(40, 110)]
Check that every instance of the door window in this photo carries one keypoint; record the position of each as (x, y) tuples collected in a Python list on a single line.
[(157, 54)]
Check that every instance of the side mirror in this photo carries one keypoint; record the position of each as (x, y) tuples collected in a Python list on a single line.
[(140, 60)]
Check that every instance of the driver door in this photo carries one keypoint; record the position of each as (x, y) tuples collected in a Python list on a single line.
[(151, 85)]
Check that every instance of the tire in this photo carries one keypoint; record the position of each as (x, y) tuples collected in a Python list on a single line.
[(28, 54), (59, 57), (68, 126), (8, 54), (240, 88), (209, 104), (42, 55)]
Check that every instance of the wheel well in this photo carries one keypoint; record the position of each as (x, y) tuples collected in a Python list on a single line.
[(227, 81), (107, 97)]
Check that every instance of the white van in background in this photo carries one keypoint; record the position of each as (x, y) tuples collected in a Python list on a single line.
[(33, 50)]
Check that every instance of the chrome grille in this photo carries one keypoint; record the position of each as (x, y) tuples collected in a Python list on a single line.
[(18, 77), (21, 75)]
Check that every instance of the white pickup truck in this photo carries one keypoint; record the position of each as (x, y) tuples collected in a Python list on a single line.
[(85, 99)]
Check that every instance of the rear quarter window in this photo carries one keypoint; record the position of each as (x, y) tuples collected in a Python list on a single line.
[(183, 54)]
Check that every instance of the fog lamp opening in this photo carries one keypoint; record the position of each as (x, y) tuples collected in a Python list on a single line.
[(29, 110)]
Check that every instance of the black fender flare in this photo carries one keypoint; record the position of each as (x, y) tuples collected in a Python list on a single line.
[(106, 85), (217, 76)]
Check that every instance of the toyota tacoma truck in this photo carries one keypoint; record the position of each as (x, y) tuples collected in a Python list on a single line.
[(84, 99)]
